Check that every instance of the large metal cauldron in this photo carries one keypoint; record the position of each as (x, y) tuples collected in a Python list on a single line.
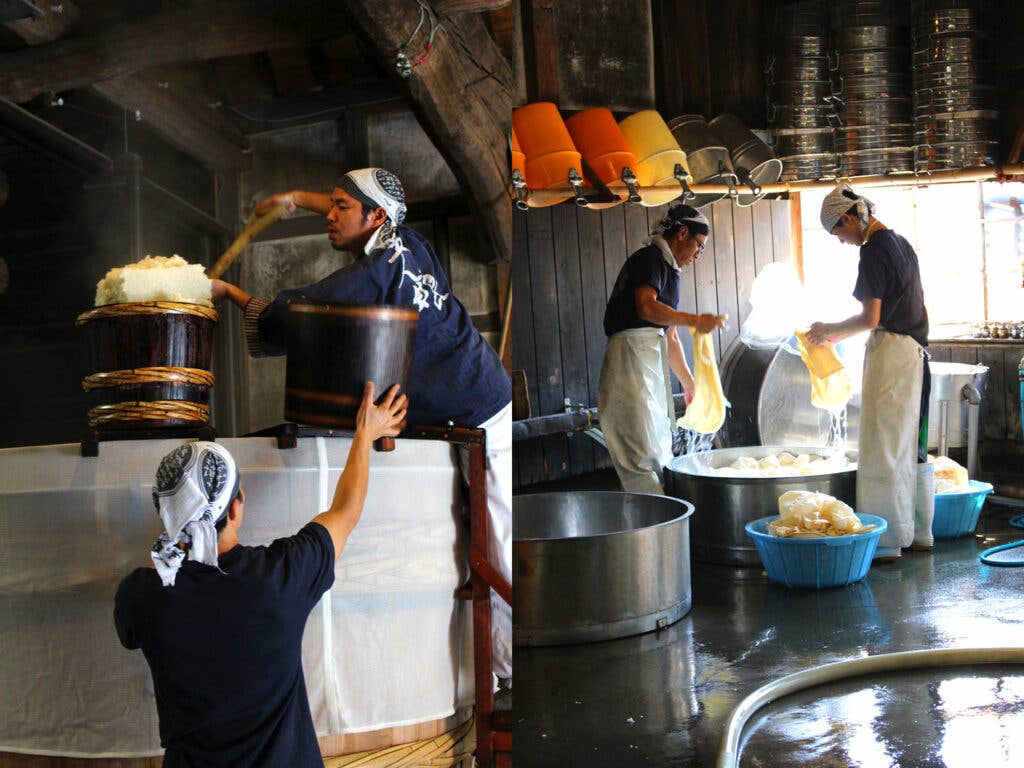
[(723, 505), (597, 565)]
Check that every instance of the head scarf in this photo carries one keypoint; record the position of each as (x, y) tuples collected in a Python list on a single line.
[(379, 188), (696, 222), (839, 201), (194, 486)]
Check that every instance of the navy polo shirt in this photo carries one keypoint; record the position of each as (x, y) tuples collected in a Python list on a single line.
[(647, 267), (889, 271)]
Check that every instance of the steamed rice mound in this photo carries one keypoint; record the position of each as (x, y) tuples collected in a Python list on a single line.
[(156, 278)]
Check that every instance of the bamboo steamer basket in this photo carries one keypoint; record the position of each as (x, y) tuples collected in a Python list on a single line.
[(548, 150), (152, 364), (658, 153)]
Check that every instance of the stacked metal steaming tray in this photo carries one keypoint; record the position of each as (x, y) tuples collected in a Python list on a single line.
[(872, 90), (800, 113), (954, 124)]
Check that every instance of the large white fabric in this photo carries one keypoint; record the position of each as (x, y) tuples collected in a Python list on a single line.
[(889, 416), (634, 406), (71, 528), (499, 515)]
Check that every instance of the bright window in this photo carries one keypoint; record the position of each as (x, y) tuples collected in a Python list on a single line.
[(969, 240)]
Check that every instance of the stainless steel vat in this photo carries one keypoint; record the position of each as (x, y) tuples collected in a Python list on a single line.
[(753, 160), (709, 161), (596, 565), (723, 505)]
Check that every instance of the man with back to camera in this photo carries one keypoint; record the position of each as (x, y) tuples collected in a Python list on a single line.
[(634, 401), (894, 479), (456, 375), (221, 624)]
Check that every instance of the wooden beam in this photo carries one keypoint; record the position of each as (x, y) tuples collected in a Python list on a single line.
[(57, 19), (462, 92), (182, 121), (469, 6), (197, 32)]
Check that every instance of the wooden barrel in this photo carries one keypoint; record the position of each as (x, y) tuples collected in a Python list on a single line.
[(152, 363), (333, 349)]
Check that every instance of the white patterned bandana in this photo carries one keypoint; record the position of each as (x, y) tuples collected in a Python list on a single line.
[(379, 188), (839, 201), (194, 486)]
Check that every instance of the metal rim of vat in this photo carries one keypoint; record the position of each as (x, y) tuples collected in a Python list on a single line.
[(586, 588)]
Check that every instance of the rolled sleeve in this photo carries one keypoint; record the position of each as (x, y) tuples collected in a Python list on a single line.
[(251, 325)]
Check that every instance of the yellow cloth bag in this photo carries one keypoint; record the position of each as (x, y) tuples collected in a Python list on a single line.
[(706, 413), (830, 383)]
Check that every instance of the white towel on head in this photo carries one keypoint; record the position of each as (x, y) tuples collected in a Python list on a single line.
[(195, 483), (839, 201)]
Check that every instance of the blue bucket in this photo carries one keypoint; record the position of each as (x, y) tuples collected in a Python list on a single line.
[(828, 561), (956, 512)]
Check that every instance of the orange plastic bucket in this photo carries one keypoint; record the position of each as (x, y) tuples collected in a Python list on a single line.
[(548, 148), (604, 148), (657, 153)]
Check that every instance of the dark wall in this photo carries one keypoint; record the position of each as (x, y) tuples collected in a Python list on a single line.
[(565, 261)]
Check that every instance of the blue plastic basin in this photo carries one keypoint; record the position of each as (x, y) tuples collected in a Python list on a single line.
[(956, 512), (829, 561)]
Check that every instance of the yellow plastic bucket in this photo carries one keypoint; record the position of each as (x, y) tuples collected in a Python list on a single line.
[(657, 153)]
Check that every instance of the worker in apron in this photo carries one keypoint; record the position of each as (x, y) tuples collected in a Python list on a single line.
[(894, 479), (634, 399)]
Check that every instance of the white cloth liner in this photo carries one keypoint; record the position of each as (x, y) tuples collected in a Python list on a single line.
[(499, 515), (635, 409), (889, 421), (71, 528)]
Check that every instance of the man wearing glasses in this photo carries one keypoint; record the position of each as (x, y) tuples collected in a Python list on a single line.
[(634, 400), (894, 479)]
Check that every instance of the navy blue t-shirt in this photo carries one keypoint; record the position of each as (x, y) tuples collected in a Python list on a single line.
[(889, 271), (645, 267), (455, 373), (225, 651)]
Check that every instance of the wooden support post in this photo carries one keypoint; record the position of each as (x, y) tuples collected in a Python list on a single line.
[(796, 234)]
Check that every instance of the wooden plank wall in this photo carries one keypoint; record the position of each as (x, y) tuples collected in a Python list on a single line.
[(565, 261)]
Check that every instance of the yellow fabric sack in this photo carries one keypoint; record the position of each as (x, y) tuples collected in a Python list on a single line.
[(706, 413), (830, 383)]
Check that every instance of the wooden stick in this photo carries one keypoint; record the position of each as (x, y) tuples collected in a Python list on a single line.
[(252, 228), (506, 324)]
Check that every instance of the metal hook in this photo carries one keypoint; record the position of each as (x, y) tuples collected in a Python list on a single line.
[(521, 192), (630, 180), (577, 187), (680, 175)]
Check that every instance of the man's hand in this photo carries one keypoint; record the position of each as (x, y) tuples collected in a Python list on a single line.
[(384, 420), (687, 395), (220, 289), (707, 323), (267, 204), (819, 333)]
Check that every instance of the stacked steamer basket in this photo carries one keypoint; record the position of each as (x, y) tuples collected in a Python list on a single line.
[(872, 89), (953, 120), (800, 114), (152, 365)]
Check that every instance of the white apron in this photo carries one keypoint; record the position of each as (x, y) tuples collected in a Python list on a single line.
[(889, 416), (634, 407)]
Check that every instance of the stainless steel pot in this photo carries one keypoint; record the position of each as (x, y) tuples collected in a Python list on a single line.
[(789, 142), (709, 161), (858, 112), (872, 62), (871, 87), (801, 91), (875, 162), (860, 37), (804, 167), (596, 565), (753, 160), (724, 505), (931, 157), (857, 138)]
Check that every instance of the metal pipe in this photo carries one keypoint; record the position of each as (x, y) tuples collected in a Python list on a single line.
[(971, 394), (39, 134), (553, 424), (542, 196), (132, 165), (943, 427)]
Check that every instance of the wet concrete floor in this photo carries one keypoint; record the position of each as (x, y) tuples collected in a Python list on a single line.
[(662, 699)]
